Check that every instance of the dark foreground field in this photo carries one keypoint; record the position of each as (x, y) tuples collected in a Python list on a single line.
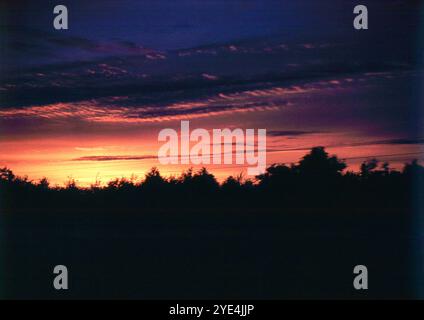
[(210, 254)]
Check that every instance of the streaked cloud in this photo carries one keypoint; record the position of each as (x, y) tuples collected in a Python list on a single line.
[(115, 158), (290, 133)]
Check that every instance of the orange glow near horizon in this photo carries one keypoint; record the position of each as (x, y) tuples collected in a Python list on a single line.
[(63, 158)]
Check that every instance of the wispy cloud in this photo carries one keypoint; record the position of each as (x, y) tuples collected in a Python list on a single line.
[(115, 158), (290, 133)]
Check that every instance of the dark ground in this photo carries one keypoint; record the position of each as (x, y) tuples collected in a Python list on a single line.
[(287, 253)]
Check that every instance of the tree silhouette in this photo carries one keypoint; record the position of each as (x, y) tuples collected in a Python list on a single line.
[(43, 183), (367, 167), (153, 179), (318, 180), (317, 163), (204, 181)]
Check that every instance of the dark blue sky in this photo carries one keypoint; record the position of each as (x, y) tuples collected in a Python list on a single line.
[(167, 24)]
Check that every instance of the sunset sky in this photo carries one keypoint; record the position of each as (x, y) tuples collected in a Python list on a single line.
[(89, 102)]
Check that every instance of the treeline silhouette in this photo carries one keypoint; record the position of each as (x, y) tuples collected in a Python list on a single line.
[(317, 181)]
